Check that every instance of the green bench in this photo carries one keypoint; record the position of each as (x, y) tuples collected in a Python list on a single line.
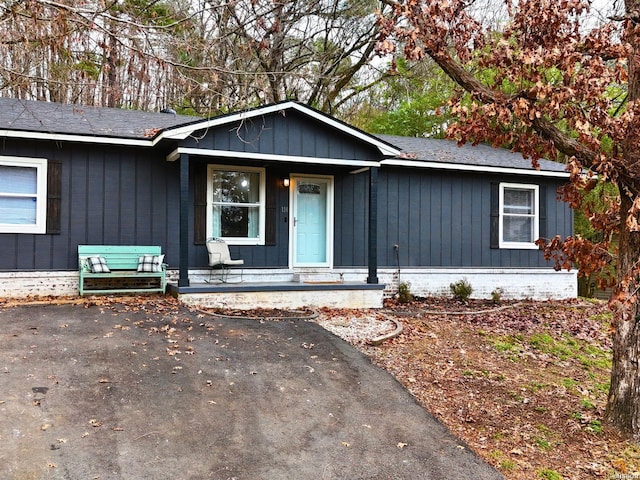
[(120, 269)]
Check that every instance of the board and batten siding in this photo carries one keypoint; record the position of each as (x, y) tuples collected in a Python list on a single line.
[(442, 219), (292, 134), (351, 219), (109, 195)]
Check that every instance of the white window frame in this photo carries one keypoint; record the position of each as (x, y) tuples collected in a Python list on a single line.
[(535, 216), (40, 164), (261, 204)]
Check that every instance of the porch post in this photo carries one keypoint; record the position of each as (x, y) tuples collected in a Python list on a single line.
[(373, 226), (183, 280)]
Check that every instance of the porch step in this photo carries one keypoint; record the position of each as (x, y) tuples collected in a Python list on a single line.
[(318, 278), (281, 295)]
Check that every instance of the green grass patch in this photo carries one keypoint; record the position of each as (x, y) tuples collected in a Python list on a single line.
[(595, 426), (504, 463), (507, 343), (543, 443), (567, 348), (549, 474), (587, 404)]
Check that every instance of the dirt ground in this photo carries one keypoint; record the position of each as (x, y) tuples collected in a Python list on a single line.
[(523, 383)]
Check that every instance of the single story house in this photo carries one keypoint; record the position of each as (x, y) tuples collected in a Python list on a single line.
[(321, 212)]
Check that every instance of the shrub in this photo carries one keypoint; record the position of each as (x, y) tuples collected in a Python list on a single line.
[(496, 296), (461, 290), (404, 293)]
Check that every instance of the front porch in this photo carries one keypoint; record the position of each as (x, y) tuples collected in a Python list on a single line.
[(279, 288), (285, 295)]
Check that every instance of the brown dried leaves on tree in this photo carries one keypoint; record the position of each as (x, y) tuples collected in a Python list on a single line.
[(549, 82)]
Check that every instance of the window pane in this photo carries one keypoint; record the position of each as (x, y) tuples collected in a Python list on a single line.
[(517, 229), (236, 187), (18, 180), (519, 200), (238, 222), (18, 211)]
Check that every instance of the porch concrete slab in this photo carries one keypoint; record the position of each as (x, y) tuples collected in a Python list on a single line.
[(159, 391), (291, 295)]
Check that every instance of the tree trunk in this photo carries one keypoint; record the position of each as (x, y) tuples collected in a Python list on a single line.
[(623, 404)]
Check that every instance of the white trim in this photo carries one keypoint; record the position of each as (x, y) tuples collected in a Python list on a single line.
[(471, 168), (295, 177), (40, 164), (261, 210), (183, 132), (66, 137), (175, 155), (536, 216)]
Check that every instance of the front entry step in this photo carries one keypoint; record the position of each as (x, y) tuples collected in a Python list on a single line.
[(318, 277)]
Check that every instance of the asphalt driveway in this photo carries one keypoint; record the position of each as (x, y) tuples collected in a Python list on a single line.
[(157, 391)]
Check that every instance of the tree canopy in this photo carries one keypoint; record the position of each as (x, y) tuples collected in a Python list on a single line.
[(196, 56)]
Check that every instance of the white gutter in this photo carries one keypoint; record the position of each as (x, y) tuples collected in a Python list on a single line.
[(65, 137), (470, 168)]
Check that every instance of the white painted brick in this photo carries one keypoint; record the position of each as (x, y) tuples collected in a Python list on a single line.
[(536, 284)]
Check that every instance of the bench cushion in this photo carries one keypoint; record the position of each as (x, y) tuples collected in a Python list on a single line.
[(150, 263), (98, 265)]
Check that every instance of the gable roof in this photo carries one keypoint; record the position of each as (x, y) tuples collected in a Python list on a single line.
[(102, 125), (57, 121), (446, 154), (386, 148)]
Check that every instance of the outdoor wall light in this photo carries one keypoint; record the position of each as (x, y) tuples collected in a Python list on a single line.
[(285, 182)]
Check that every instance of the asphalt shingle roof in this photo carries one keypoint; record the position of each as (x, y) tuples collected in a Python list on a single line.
[(58, 118), (447, 151), (49, 117)]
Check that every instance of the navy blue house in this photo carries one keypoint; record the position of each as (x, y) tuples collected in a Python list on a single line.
[(321, 212)]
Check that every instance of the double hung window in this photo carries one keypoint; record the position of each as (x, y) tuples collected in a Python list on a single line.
[(23, 195), (519, 215), (236, 207)]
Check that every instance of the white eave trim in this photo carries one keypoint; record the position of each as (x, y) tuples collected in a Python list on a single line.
[(64, 137), (183, 132), (175, 155), (471, 168)]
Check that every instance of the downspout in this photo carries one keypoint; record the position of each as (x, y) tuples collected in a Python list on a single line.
[(373, 226), (183, 280)]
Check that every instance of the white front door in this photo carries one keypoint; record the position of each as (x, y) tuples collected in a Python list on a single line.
[(311, 221)]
